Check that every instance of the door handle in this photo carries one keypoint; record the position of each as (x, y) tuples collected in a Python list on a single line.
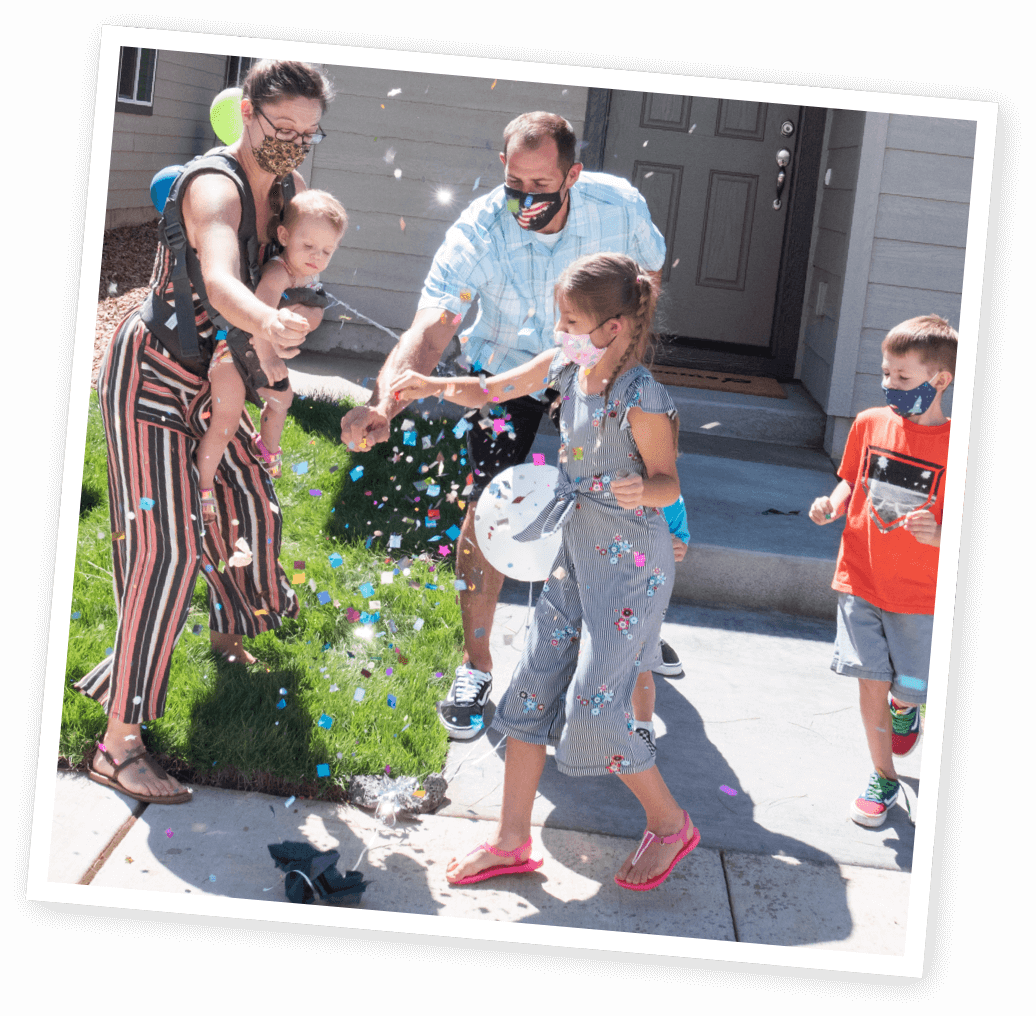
[(783, 161)]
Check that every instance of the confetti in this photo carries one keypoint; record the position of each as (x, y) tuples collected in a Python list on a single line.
[(419, 624), (367, 590), (119, 535), (147, 503), (325, 721), (324, 597), (282, 704), (391, 699), (359, 693), (352, 614), (727, 790), (298, 578), (300, 468), (911, 682), (356, 472), (639, 559), (410, 437), (316, 493), (480, 633), (335, 560), (386, 578), (290, 801), (169, 833), (76, 615), (538, 459), (323, 769)]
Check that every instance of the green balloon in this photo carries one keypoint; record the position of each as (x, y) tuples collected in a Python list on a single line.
[(225, 115)]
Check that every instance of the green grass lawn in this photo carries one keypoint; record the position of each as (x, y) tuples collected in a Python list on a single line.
[(222, 725)]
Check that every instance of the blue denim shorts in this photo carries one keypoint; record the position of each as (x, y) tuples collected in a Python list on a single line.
[(878, 645)]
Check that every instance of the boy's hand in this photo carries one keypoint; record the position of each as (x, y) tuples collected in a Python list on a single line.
[(921, 525), (679, 549), (274, 369), (822, 511)]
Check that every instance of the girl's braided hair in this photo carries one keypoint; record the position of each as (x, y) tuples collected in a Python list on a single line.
[(606, 286)]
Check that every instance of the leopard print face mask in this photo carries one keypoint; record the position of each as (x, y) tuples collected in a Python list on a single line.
[(279, 157)]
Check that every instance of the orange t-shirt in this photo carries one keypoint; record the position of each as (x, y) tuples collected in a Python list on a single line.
[(896, 467)]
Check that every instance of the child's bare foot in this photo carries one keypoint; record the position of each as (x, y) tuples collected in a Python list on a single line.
[(144, 777), (658, 856), (232, 647), (517, 849)]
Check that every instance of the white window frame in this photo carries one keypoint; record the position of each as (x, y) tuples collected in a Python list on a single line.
[(130, 103)]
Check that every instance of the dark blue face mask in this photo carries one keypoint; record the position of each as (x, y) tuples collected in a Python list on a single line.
[(912, 402)]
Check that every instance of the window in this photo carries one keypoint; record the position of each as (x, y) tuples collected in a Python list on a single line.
[(237, 70), (136, 80)]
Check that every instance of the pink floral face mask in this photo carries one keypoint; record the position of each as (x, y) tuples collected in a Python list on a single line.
[(580, 349)]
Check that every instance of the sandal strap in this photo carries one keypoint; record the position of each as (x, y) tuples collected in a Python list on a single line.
[(650, 837), (502, 853)]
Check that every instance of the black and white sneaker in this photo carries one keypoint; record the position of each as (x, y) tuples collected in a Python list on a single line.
[(670, 665), (646, 732), (461, 711)]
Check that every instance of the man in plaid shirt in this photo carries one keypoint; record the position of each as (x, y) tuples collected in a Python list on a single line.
[(507, 249)]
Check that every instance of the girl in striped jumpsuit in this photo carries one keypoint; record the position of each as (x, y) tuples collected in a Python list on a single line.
[(598, 619), (155, 411)]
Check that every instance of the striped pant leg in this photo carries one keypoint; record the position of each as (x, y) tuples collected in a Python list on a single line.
[(246, 600), (156, 560)]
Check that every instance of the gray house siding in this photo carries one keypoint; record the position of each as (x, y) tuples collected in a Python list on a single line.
[(444, 132), (908, 226), (177, 130)]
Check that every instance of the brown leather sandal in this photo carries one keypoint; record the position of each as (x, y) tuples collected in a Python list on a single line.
[(113, 781)]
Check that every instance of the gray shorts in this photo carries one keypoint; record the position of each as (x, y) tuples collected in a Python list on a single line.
[(877, 645)]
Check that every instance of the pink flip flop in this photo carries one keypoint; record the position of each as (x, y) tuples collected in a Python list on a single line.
[(649, 838), (501, 869)]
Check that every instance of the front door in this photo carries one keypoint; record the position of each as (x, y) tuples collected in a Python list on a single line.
[(718, 176)]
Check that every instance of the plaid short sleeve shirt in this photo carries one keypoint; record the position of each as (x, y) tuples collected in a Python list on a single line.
[(487, 254)]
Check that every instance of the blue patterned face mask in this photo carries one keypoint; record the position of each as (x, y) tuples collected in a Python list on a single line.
[(912, 402)]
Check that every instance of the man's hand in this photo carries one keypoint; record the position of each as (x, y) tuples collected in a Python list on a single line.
[(364, 427), (921, 525)]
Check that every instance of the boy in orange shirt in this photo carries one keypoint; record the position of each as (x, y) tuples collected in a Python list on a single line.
[(893, 475)]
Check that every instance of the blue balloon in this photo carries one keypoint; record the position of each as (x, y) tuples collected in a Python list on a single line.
[(160, 184)]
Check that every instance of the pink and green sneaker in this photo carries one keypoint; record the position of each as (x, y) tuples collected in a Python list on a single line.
[(872, 808), (906, 728)]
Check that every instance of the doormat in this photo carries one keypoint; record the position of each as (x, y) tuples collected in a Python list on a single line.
[(718, 381)]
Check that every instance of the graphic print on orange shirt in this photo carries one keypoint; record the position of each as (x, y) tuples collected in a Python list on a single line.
[(898, 484)]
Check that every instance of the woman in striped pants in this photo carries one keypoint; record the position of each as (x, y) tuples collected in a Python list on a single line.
[(155, 409)]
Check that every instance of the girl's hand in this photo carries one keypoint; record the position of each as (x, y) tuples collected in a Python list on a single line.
[(921, 525), (628, 489), (679, 549), (410, 385), (822, 511)]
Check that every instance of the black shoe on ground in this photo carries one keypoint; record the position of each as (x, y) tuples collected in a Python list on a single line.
[(670, 665), (461, 711)]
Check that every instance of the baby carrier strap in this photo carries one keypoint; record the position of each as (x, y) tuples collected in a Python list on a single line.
[(177, 330)]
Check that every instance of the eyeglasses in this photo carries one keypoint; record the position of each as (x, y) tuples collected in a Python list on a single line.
[(287, 135)]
